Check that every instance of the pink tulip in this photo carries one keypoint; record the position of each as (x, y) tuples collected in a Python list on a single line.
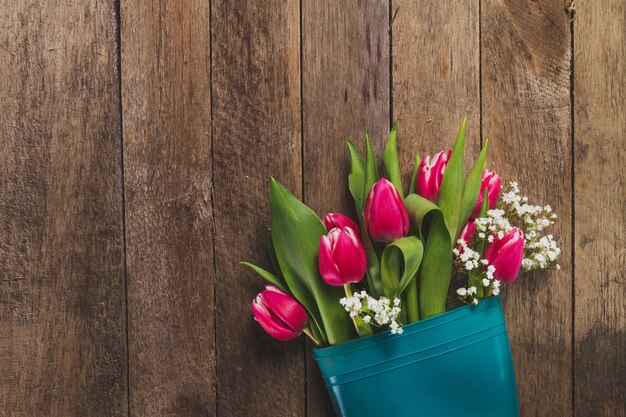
[(386, 217), (493, 183), (342, 258), (430, 174), (506, 255), (467, 233), (281, 315), (332, 220)]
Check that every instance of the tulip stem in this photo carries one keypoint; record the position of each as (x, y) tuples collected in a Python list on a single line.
[(307, 331), (362, 328), (348, 290), (487, 292)]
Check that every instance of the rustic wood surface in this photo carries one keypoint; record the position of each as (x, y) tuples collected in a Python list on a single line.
[(526, 112), (353, 85), (62, 290), (167, 187), (137, 143), (257, 133), (600, 213)]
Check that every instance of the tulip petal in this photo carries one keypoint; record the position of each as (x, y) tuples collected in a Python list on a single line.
[(349, 257), (386, 215), (506, 255), (332, 220), (328, 269), (286, 308), (263, 316)]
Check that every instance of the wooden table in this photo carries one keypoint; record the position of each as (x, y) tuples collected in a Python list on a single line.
[(138, 138)]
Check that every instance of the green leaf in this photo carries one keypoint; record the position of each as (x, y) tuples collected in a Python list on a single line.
[(268, 276), (272, 255), (475, 276), (356, 182), (436, 268), (356, 179), (399, 263), (416, 166), (371, 173), (472, 186), (452, 185), (390, 158), (419, 208), (296, 232)]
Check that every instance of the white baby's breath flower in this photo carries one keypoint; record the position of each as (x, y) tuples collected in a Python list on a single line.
[(377, 312)]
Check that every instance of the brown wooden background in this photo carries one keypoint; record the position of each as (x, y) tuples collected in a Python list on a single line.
[(137, 140)]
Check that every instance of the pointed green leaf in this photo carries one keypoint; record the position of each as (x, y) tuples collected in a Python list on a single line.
[(436, 269), (356, 179), (390, 158), (416, 166), (268, 276), (399, 263), (475, 276), (296, 232), (452, 185), (472, 186), (371, 172)]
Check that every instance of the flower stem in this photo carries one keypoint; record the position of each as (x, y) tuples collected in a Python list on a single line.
[(361, 327), (487, 292), (307, 331), (348, 290)]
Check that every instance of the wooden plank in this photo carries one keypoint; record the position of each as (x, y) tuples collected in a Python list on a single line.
[(436, 81), (256, 110), (599, 222), (167, 158), (62, 304), (345, 70), (436, 78), (526, 113)]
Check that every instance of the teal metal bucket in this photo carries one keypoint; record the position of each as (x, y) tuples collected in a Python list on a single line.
[(455, 364)]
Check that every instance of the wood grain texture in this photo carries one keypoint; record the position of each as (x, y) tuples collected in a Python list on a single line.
[(526, 115), (600, 216), (62, 308), (256, 113), (436, 81), (436, 76), (345, 94), (168, 168)]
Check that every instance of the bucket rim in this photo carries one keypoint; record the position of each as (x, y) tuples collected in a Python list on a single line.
[(409, 329)]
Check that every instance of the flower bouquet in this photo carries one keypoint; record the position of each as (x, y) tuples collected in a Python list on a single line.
[(371, 294)]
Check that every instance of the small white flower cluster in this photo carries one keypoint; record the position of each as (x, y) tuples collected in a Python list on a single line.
[(494, 223), (489, 281), (540, 251), (378, 313), (534, 218), (466, 256), (467, 295)]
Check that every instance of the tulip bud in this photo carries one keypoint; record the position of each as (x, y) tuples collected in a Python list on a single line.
[(342, 259), (430, 174), (493, 183), (467, 233), (506, 255), (280, 315), (386, 217), (332, 220)]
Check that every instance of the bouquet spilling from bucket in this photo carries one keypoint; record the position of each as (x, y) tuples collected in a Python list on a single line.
[(371, 291)]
